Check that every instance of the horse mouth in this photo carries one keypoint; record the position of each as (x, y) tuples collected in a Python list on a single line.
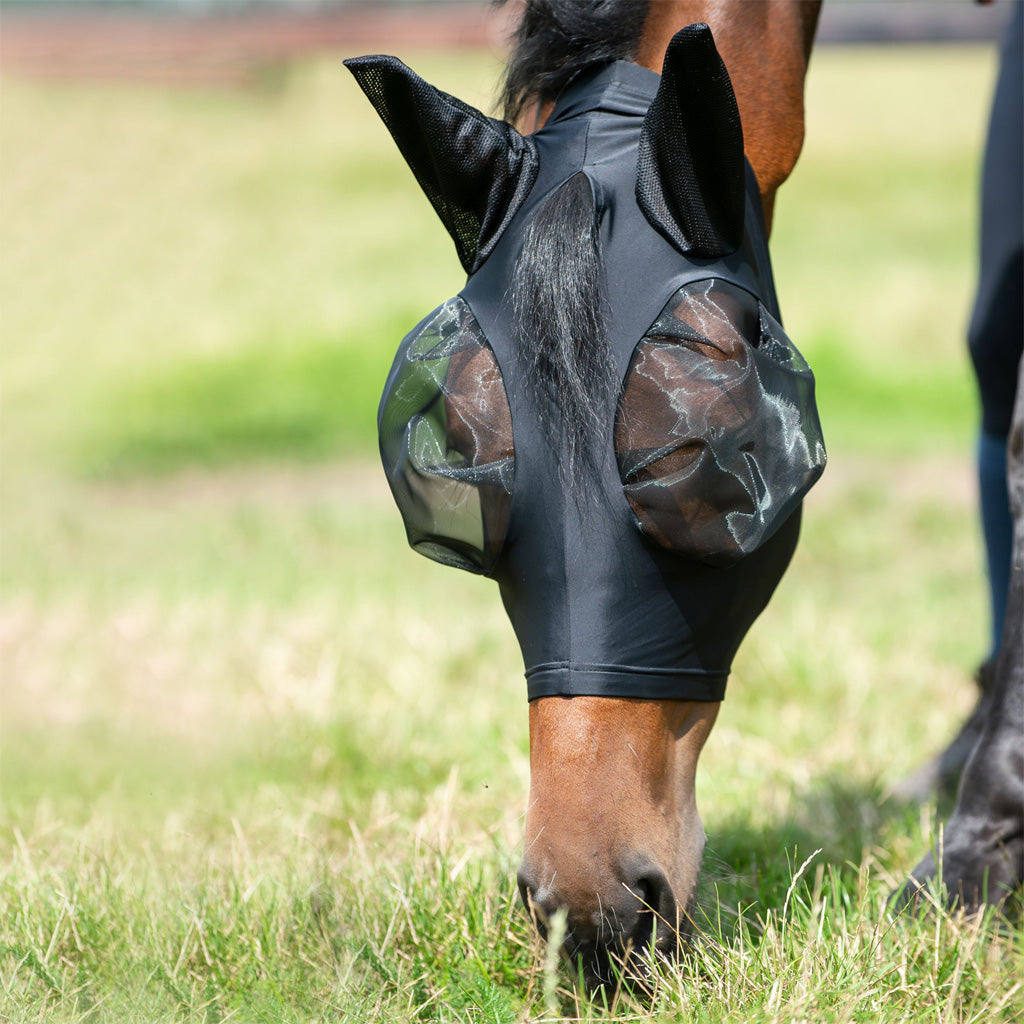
[(628, 963)]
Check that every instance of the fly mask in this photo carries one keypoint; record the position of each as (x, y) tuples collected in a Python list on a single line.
[(643, 582)]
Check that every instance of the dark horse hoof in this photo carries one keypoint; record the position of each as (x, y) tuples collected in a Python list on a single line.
[(981, 855)]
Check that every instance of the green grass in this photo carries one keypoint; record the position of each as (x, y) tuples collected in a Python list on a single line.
[(165, 242), (267, 400), (220, 276), (259, 762)]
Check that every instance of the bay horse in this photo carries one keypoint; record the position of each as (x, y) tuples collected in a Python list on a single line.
[(609, 420)]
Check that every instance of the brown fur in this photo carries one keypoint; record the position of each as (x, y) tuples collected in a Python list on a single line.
[(612, 822), (766, 47)]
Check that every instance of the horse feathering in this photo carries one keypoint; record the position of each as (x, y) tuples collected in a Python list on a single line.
[(558, 313), (555, 39)]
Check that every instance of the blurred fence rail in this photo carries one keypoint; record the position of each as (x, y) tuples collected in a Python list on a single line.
[(234, 42), (220, 43)]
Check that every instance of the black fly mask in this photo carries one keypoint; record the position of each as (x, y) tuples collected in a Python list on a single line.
[(636, 521)]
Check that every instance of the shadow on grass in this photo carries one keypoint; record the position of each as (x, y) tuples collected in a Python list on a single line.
[(299, 398), (749, 868)]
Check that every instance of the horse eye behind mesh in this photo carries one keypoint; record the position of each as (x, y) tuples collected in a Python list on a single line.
[(717, 440), (446, 440)]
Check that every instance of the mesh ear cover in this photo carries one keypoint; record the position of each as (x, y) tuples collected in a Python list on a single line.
[(690, 167), (475, 170)]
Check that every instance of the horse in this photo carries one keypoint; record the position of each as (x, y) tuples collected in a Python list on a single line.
[(613, 837), (609, 419), (982, 855), (981, 858)]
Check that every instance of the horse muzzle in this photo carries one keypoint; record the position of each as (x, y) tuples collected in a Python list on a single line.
[(613, 838), (610, 935)]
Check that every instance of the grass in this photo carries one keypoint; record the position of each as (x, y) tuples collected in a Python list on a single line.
[(226, 275), (262, 764)]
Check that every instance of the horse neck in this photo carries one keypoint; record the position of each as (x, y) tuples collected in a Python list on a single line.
[(766, 48)]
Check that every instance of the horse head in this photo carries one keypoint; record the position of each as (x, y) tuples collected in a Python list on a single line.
[(610, 422)]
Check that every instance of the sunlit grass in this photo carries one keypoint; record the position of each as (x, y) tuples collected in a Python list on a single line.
[(260, 762), (198, 278), (874, 242), (154, 238), (278, 772)]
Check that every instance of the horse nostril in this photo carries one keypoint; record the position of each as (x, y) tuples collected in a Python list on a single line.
[(629, 915), (656, 918), (536, 910)]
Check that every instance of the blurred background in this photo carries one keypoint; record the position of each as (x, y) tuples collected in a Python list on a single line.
[(216, 648), (210, 247)]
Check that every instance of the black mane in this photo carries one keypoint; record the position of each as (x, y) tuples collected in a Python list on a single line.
[(559, 315), (555, 39), (558, 281)]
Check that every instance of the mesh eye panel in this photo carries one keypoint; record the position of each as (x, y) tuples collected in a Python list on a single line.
[(446, 441), (717, 436)]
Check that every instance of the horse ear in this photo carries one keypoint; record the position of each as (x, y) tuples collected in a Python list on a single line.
[(690, 169), (475, 170)]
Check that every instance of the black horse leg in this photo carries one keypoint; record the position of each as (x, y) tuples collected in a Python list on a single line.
[(994, 340), (982, 854)]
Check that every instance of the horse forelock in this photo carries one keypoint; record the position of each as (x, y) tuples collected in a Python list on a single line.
[(559, 322), (555, 39)]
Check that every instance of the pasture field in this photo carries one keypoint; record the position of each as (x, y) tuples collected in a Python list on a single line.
[(259, 761)]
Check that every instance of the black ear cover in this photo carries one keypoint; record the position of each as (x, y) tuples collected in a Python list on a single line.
[(475, 170), (690, 167)]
